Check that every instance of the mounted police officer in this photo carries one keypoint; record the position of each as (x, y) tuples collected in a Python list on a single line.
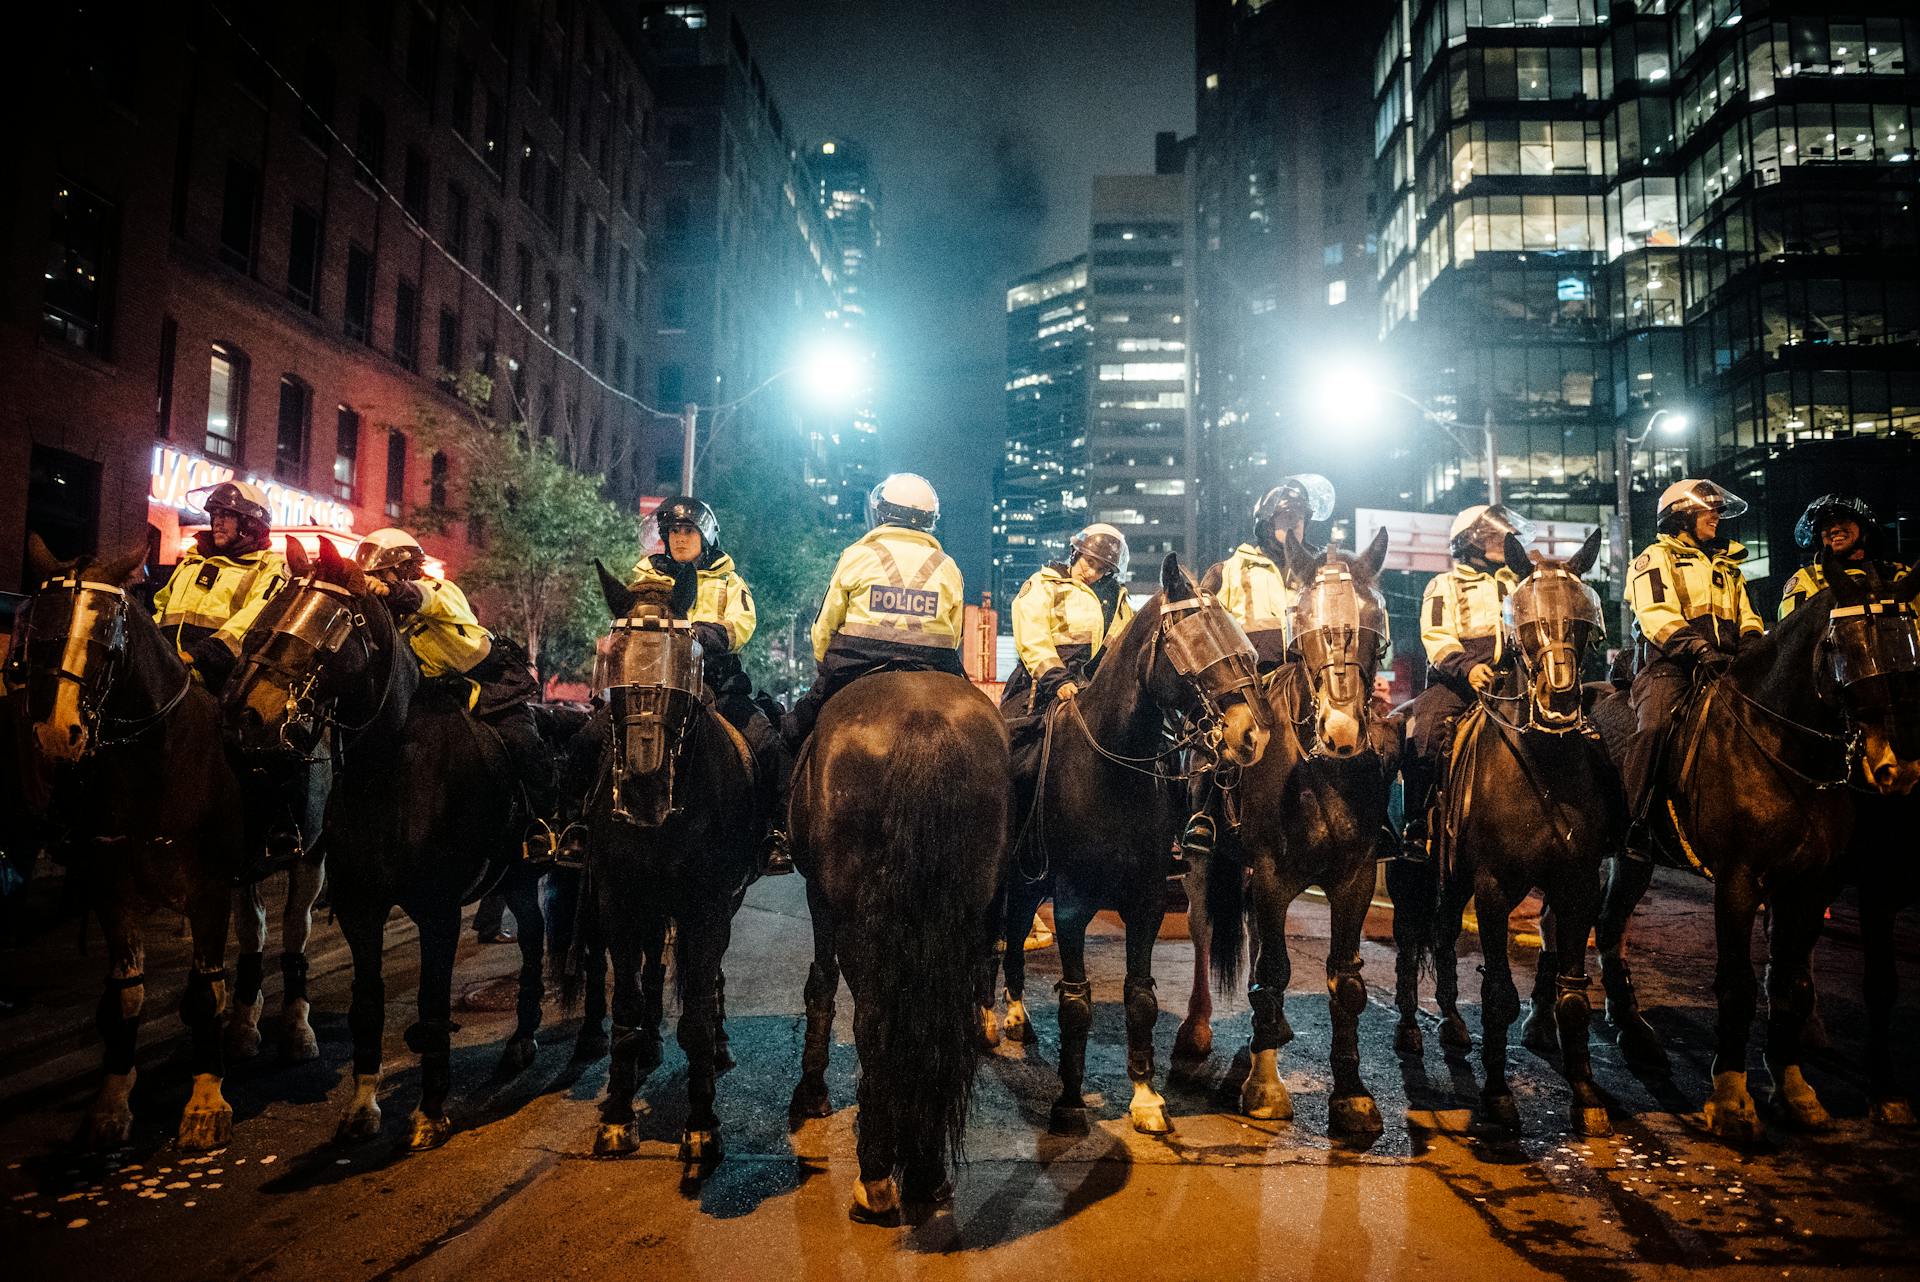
[(454, 649), (1460, 630), (218, 588), (1251, 586), (1691, 613), (1063, 618), (896, 601), (723, 622), (1842, 526)]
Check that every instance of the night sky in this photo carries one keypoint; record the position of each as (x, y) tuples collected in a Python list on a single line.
[(985, 123)]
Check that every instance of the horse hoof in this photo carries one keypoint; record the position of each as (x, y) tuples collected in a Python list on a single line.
[(1730, 1112), (1454, 1034), (1893, 1110), (205, 1128), (1498, 1112), (242, 1040), (615, 1139), (1193, 1043), (810, 1100), (361, 1124), (298, 1045), (1540, 1034), (700, 1150), (590, 1046), (1268, 1102), (425, 1132), (1151, 1119), (1354, 1115), (875, 1202), (1639, 1044), (1408, 1039), (1798, 1101), (108, 1131), (517, 1057), (1017, 1028), (1813, 1033), (1592, 1121), (986, 1032), (1067, 1119), (723, 1061)]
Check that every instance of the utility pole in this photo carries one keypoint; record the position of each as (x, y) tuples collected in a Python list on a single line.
[(1493, 460), (689, 417)]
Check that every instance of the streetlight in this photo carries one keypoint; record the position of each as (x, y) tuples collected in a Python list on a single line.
[(831, 370), (1622, 531), (1351, 391)]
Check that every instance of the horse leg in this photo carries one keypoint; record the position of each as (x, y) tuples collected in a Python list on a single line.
[(522, 890), (876, 1193), (208, 1119), (1797, 920), (432, 1037), (616, 1134), (1414, 890), (592, 1042), (1499, 1002), (304, 883), (1540, 1032), (1627, 882), (1263, 1095), (1446, 964), (1194, 1042), (249, 967), (1577, 900), (1071, 914), (366, 1017), (110, 1117), (1729, 1110), (1023, 901), (1350, 1110), (823, 985), (1890, 1104), (701, 941), (653, 992), (992, 944), (1148, 1107)]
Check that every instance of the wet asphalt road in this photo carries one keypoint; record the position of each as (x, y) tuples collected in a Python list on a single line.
[(514, 1194)]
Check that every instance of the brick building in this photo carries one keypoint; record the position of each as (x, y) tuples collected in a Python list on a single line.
[(265, 238)]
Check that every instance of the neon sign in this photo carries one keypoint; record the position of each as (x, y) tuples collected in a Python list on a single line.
[(177, 474)]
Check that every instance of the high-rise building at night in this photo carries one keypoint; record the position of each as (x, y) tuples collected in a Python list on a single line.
[(842, 464), (1585, 215), (1040, 489)]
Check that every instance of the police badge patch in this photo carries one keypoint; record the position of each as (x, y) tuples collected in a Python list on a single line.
[(921, 603)]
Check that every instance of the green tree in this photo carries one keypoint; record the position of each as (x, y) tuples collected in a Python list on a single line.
[(541, 524)]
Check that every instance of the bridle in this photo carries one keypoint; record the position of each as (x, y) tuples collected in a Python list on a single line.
[(107, 635), (1562, 644), (318, 622), (652, 686), (1329, 652)]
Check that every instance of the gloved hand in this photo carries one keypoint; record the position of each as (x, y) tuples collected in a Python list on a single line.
[(1067, 690), (212, 660), (712, 638), (1481, 677)]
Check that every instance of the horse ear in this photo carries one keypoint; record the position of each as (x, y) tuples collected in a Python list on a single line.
[(618, 596), (333, 566), (1297, 562), (686, 589), (1517, 559), (299, 564), (1589, 552), (1175, 583), (121, 571), (42, 564), (1375, 557)]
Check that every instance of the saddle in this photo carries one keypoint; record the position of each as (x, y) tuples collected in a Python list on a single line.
[(1672, 847), (1453, 800)]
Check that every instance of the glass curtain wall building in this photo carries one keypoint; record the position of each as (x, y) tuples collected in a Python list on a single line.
[(843, 466)]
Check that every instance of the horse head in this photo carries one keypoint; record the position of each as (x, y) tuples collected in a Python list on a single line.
[(1205, 666), (1873, 651), (1338, 637), (69, 644), (315, 642), (650, 674), (1552, 619)]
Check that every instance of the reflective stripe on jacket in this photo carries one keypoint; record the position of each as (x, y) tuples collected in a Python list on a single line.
[(217, 595), (894, 585), (1808, 581), (1255, 593), (444, 634), (1676, 583), (722, 600), (1460, 618), (1054, 609)]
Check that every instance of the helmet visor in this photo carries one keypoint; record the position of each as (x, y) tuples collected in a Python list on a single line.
[(1709, 496)]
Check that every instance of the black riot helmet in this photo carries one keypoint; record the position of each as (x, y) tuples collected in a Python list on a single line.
[(1826, 509), (683, 512)]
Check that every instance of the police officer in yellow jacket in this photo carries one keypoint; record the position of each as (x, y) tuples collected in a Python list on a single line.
[(723, 615), (217, 589), (1691, 611), (896, 601), (1460, 630), (453, 647), (1842, 526), (1249, 583), (1064, 616)]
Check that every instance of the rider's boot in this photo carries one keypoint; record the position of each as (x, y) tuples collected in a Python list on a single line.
[(778, 855)]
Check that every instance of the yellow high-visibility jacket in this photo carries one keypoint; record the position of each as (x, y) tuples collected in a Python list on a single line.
[(1252, 589), (444, 634), (1054, 609), (212, 594), (723, 599), (1677, 584), (1809, 581), (894, 585), (1460, 618)]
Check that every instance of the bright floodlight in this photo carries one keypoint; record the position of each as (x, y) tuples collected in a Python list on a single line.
[(1348, 392), (1674, 423), (832, 370)]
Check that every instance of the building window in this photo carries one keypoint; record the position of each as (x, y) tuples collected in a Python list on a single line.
[(522, 278), (163, 393), (316, 118), (550, 304), (578, 315), (673, 306), (600, 347), (359, 294), (599, 248), (296, 421), (396, 473), (550, 197), (449, 351), (370, 145), (529, 168), (457, 221), (437, 469), (462, 104), (303, 259), (1336, 292), (346, 454), (580, 231), (490, 252), (239, 215), (226, 402), (79, 262), (420, 52), (406, 323), (672, 385), (413, 185), (493, 131)]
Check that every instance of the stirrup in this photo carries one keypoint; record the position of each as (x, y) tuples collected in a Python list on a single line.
[(570, 849), (1196, 841), (539, 843), (1641, 844)]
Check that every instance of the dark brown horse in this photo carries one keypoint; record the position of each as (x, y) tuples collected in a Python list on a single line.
[(672, 841), (131, 746), (899, 821), (1531, 800), (1100, 806), (1310, 815)]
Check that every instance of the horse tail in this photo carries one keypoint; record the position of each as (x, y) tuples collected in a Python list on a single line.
[(1414, 889), (585, 939), (1226, 918), (915, 942)]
